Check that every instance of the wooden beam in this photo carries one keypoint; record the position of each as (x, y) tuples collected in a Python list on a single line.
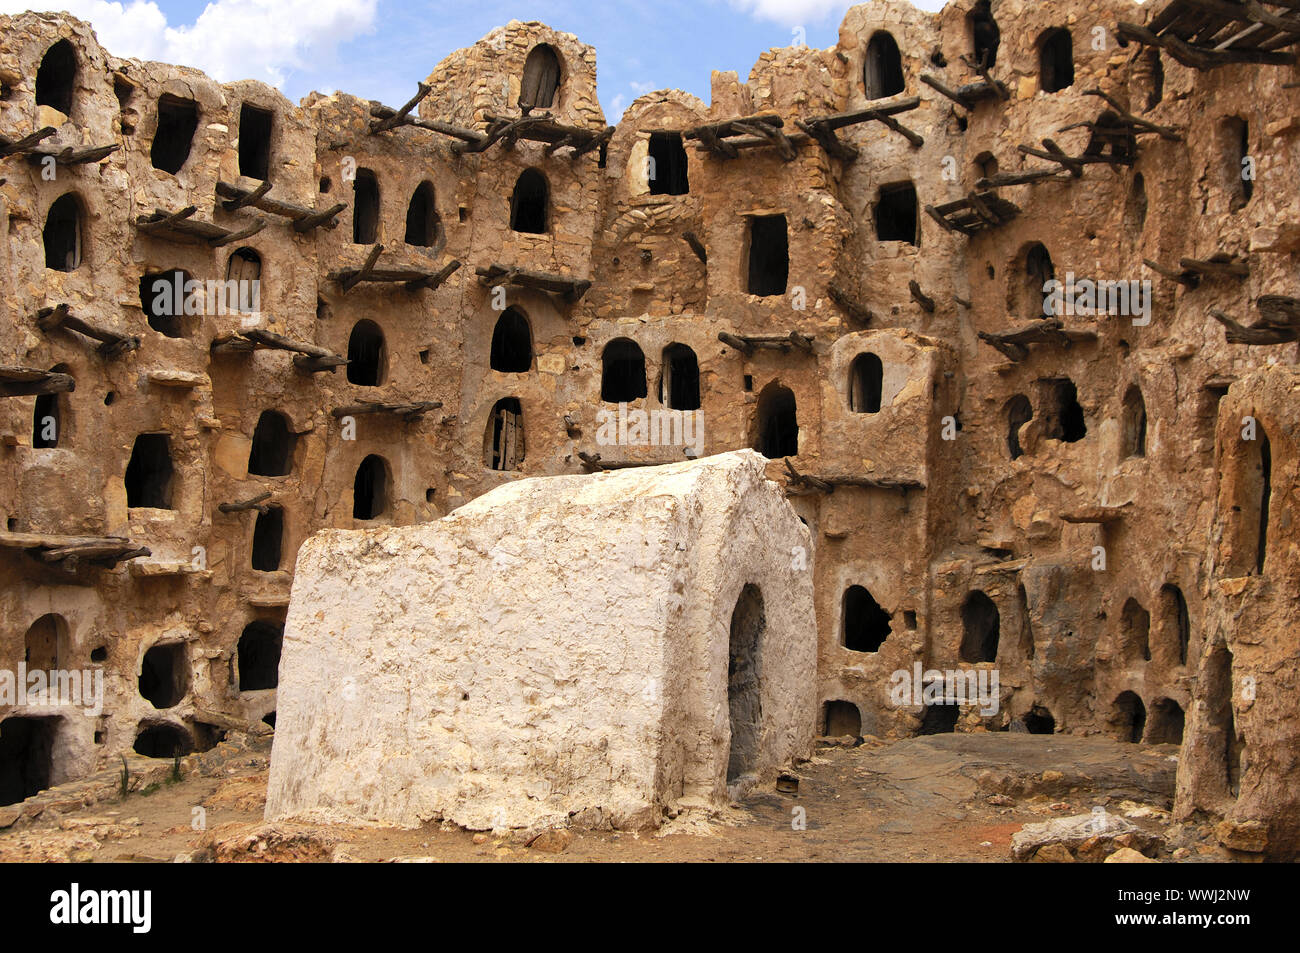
[(348, 279), (71, 156), (1235, 333), (409, 411), (697, 246), (920, 297), (110, 343), (852, 308), (255, 503), (19, 381), (23, 144), (398, 118)]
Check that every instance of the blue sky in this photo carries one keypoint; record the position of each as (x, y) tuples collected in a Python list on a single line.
[(379, 49)]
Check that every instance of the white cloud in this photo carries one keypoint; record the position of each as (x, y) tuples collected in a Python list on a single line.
[(794, 13), (642, 88), (231, 39)]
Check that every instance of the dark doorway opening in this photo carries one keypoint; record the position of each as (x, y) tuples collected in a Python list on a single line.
[(56, 77), (46, 422), (1019, 412), (259, 656), (1133, 425), (769, 255), (367, 355), (163, 741), (744, 682), (841, 719), (980, 629), (178, 120), (268, 539), (667, 164), (1135, 624), (273, 442), (45, 643), (504, 444), (778, 423), (370, 489), (865, 624), (149, 472), (365, 208), (165, 675), (1128, 718), (1039, 721), (255, 142), (512, 343), (986, 36), (26, 757), (528, 203), (1062, 413), (62, 234), (423, 227), (866, 380), (1167, 720), (1056, 60), (939, 719), (164, 307), (1176, 618), (622, 375), (896, 214), (679, 383)]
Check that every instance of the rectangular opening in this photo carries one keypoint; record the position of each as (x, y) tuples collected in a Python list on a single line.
[(769, 255), (26, 757), (896, 214), (178, 120), (254, 142), (667, 167)]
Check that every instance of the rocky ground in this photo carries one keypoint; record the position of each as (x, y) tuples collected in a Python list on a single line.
[(957, 797)]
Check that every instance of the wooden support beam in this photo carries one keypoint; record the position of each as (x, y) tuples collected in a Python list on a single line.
[(1199, 57), (255, 503), (1004, 179), (435, 279), (52, 547), (834, 146), (982, 69), (1189, 279), (325, 216), (775, 342), (309, 357), (19, 381), (398, 118), (1279, 311), (1221, 265), (442, 128), (965, 102), (571, 288), (1143, 125), (348, 278), (1014, 344), (230, 238), (24, 144), (110, 343), (71, 156), (920, 297), (179, 227), (828, 484), (237, 198), (1096, 514), (409, 411), (697, 246), (1262, 335)]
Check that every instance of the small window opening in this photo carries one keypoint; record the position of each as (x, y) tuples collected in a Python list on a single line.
[(1039, 272), (1039, 721), (865, 623), (1153, 66), (178, 120), (367, 355), (667, 164), (939, 719), (1056, 60), (504, 446), (365, 208), (56, 76), (896, 214), (883, 70), (866, 378), (62, 235), (1177, 620), (273, 443), (512, 343), (778, 423), (980, 629), (149, 472), (259, 656), (1135, 210), (45, 644), (370, 489), (769, 255), (622, 376), (528, 203), (165, 675), (46, 422), (255, 142), (679, 385), (1240, 172)]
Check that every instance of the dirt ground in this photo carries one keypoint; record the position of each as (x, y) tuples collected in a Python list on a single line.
[(942, 798)]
